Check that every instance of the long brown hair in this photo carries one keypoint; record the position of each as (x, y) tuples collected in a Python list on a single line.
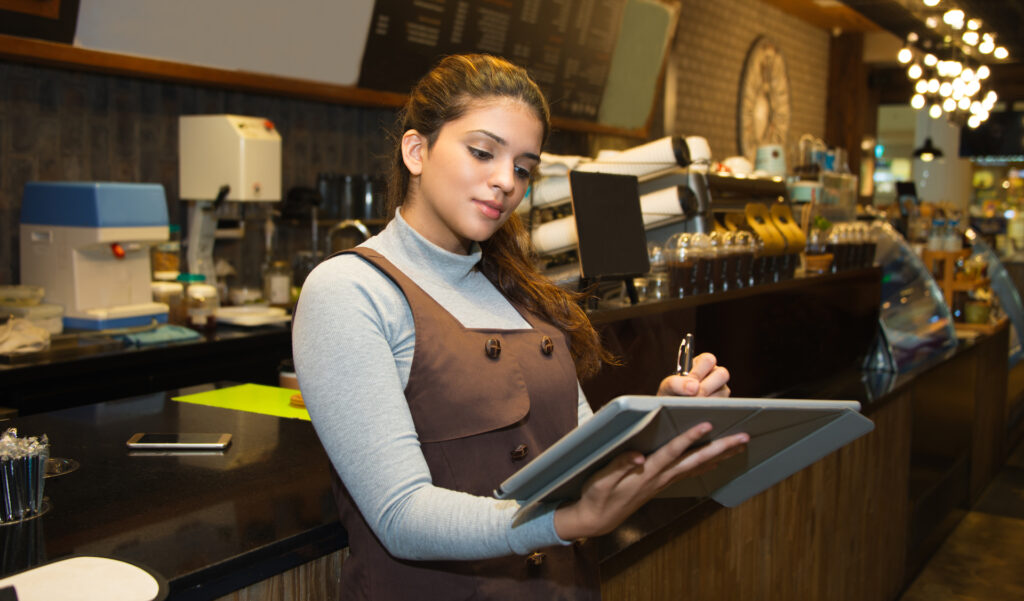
[(445, 94)]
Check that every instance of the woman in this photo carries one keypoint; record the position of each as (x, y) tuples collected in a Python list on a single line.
[(436, 361)]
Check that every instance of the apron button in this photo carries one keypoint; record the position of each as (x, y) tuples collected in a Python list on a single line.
[(546, 346), (519, 452), (493, 348), (535, 559)]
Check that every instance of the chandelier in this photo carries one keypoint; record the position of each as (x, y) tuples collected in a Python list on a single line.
[(949, 67)]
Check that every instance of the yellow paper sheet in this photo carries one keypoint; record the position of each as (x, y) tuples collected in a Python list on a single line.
[(255, 398)]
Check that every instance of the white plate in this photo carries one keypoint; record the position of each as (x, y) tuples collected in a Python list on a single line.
[(252, 315)]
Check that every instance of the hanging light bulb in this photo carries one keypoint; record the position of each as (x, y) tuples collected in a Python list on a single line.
[(914, 71), (976, 107), (958, 87), (930, 59), (917, 101), (964, 103), (932, 22), (973, 121), (945, 89), (935, 111), (987, 45), (955, 68), (904, 55), (1000, 53), (967, 75), (928, 151), (931, 2), (984, 72), (933, 86), (974, 24), (921, 86), (954, 18), (971, 37), (991, 96), (949, 105), (972, 88)]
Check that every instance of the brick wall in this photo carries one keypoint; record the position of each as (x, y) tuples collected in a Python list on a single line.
[(63, 125), (710, 46)]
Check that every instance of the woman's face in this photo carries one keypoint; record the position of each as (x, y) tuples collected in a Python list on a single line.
[(471, 180)]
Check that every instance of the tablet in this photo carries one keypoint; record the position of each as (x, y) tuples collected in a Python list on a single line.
[(786, 435)]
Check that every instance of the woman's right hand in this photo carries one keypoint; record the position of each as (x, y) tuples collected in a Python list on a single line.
[(631, 479)]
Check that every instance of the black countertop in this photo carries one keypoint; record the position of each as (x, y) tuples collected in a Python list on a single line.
[(209, 522), (106, 372)]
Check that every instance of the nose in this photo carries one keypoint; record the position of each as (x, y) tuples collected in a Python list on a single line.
[(503, 176)]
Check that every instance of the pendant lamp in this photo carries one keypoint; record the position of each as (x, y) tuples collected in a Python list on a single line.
[(928, 151)]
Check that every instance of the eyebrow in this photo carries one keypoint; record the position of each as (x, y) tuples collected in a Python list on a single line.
[(503, 142)]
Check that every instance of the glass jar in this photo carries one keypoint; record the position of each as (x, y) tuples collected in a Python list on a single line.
[(658, 287), (201, 303), (729, 258), (171, 294), (680, 261), (705, 255), (277, 284), (745, 246), (165, 257)]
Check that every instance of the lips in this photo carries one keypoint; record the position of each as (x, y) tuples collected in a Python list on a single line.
[(491, 210)]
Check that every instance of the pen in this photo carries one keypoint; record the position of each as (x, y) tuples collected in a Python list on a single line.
[(684, 361)]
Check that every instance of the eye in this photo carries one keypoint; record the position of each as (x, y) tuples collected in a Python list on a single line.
[(479, 154), (522, 172)]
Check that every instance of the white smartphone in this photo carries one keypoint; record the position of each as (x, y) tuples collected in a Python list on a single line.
[(179, 441)]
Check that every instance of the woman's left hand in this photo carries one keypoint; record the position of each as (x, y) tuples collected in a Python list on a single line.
[(706, 378)]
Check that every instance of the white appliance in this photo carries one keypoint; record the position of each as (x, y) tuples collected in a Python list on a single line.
[(87, 244), (223, 158)]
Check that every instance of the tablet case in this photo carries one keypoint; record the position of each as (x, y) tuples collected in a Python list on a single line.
[(786, 435)]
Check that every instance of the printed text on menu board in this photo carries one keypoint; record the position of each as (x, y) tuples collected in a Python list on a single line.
[(565, 44)]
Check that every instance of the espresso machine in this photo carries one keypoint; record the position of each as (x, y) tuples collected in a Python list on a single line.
[(223, 158), (87, 244)]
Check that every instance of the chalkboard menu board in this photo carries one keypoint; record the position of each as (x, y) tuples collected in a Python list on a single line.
[(566, 45)]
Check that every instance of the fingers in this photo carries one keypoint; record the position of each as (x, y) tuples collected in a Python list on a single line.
[(677, 458), (712, 464), (707, 378), (673, 450)]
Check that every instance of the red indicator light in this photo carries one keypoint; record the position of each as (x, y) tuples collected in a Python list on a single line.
[(268, 124), (117, 249)]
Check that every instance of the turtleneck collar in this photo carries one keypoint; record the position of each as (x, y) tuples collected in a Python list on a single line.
[(401, 240)]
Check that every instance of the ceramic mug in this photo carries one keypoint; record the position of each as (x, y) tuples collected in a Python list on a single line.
[(771, 159)]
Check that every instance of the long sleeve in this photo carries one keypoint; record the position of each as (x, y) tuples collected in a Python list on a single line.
[(353, 342)]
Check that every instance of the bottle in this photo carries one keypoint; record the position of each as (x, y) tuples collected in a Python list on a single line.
[(952, 240), (277, 284), (166, 256), (171, 294), (937, 235), (201, 303)]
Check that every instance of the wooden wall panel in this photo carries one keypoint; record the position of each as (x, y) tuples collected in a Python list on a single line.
[(313, 581)]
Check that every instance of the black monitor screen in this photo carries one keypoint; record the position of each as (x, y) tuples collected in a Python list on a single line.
[(609, 225)]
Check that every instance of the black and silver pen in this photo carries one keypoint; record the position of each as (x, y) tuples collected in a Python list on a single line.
[(684, 360)]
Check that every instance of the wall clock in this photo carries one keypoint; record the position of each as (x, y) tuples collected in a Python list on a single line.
[(763, 115)]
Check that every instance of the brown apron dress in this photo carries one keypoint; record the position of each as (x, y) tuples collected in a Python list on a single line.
[(484, 402)]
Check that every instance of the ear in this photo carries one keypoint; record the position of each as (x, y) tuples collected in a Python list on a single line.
[(414, 151)]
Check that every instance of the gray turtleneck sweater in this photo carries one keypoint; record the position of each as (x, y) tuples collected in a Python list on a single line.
[(353, 343)]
